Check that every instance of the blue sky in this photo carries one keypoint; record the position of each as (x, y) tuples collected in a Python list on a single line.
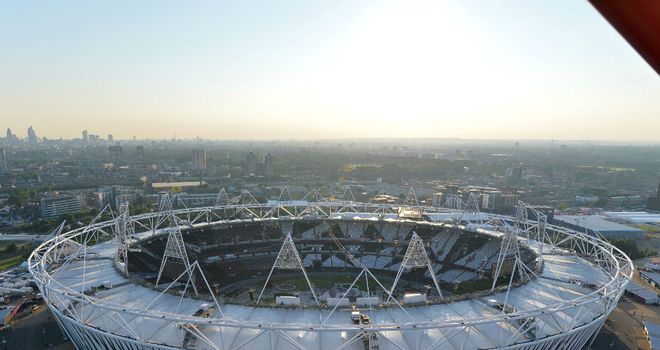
[(324, 69)]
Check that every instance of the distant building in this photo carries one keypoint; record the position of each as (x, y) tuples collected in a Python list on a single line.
[(139, 152), (85, 138), (640, 293), (453, 201), (111, 138), (591, 224), (548, 211), (101, 198), (190, 200), (3, 161), (499, 202), (438, 199), (623, 201), (115, 195), (634, 217), (515, 172), (268, 165), (127, 197), (251, 163), (56, 205), (199, 159), (115, 153), (32, 137), (9, 140), (654, 203), (175, 186), (581, 200), (211, 167)]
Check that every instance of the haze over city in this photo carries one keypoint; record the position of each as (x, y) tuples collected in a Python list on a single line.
[(310, 70), (330, 174)]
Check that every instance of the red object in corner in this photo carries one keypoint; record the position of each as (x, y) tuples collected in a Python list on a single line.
[(638, 21)]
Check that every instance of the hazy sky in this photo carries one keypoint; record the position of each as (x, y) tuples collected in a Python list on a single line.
[(322, 69)]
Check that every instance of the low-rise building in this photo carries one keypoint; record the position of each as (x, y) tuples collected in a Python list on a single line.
[(592, 224)]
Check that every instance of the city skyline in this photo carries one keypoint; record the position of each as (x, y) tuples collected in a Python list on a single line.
[(91, 138), (294, 70)]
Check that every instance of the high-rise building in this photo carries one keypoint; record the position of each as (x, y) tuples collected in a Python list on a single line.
[(654, 203), (115, 153), (199, 158), (3, 161), (268, 165), (211, 167), (32, 136), (111, 138), (251, 163), (139, 151), (10, 137), (85, 138)]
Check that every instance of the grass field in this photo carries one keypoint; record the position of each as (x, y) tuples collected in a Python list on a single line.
[(9, 262), (325, 281), (12, 253)]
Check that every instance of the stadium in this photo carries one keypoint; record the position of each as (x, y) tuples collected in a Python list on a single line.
[(319, 273)]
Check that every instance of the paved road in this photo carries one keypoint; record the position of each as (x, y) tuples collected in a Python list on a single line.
[(623, 329), (23, 237), (35, 331)]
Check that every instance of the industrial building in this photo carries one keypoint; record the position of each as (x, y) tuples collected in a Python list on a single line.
[(634, 217), (641, 293), (592, 224)]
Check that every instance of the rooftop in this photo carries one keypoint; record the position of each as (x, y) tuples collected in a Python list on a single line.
[(596, 223), (635, 217), (157, 185)]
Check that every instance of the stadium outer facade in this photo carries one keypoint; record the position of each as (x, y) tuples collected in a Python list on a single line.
[(98, 307)]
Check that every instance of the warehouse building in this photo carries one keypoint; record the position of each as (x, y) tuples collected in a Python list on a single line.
[(599, 223)]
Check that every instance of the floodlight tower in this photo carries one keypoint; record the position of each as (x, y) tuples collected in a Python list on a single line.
[(411, 198), (123, 230), (288, 259), (175, 247), (222, 198), (415, 257), (510, 249), (472, 204)]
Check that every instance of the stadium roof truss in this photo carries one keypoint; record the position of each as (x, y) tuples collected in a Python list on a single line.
[(82, 272)]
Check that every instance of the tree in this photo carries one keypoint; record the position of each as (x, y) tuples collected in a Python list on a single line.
[(20, 198), (11, 248)]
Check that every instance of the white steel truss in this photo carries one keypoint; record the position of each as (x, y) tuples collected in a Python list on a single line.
[(222, 198), (415, 256), (411, 198), (175, 248), (347, 201), (288, 259), (472, 204), (453, 201), (572, 316), (509, 255), (123, 231)]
